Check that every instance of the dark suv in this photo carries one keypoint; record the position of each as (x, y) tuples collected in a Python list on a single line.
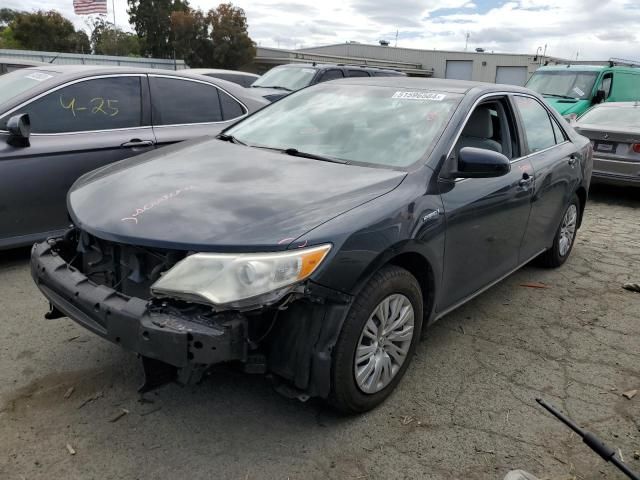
[(284, 79)]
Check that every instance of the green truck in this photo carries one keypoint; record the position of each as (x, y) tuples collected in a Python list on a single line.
[(572, 89)]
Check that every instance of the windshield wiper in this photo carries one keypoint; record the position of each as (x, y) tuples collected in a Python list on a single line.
[(294, 152), (229, 138), (276, 87), (558, 96)]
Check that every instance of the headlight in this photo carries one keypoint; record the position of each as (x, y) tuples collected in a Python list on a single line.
[(235, 280)]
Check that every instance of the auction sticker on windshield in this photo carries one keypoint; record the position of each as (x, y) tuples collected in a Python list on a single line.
[(436, 97)]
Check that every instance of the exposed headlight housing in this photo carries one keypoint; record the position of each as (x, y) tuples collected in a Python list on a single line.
[(238, 280)]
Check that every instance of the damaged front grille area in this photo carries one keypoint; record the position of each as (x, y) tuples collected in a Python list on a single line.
[(128, 269)]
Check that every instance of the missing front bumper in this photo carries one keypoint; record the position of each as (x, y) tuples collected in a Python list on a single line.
[(159, 332)]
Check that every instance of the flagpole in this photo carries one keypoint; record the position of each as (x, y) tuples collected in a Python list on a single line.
[(115, 29)]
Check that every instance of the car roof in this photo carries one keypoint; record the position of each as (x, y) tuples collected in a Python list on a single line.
[(67, 73), (219, 70), (320, 66), (436, 84)]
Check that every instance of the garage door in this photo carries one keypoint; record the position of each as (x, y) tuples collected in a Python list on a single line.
[(459, 69), (511, 75)]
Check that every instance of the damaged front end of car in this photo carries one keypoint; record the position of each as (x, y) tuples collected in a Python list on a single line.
[(127, 294)]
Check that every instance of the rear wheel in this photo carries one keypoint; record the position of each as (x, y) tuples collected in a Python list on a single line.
[(377, 340), (565, 237)]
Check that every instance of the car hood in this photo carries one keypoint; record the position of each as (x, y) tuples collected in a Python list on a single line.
[(565, 106), (210, 195)]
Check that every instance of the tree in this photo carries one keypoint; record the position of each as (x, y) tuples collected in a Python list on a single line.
[(47, 31), (232, 47), (6, 16), (190, 37), (107, 40), (152, 22)]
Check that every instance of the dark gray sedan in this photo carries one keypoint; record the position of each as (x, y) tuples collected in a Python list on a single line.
[(314, 239), (614, 131), (80, 118)]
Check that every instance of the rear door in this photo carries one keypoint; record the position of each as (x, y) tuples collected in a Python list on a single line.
[(76, 128), (554, 160), (187, 108)]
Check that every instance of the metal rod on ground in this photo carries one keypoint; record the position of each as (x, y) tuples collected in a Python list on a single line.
[(591, 440)]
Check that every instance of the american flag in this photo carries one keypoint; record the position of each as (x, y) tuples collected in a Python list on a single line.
[(88, 7)]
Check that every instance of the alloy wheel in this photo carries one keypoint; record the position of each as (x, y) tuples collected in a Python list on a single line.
[(567, 230), (384, 343)]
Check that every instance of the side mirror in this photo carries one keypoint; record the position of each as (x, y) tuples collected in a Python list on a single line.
[(480, 163), (600, 96), (19, 127)]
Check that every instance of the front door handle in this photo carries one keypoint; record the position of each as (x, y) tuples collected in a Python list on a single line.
[(572, 160), (526, 180), (136, 142)]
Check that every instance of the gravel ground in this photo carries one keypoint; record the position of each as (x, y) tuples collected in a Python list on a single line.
[(465, 409)]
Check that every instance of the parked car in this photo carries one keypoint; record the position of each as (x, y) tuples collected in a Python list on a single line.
[(10, 64), (244, 79), (82, 118), (282, 80), (614, 131), (572, 89), (314, 239)]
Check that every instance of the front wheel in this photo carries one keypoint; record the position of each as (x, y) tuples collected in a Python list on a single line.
[(377, 341), (565, 237)]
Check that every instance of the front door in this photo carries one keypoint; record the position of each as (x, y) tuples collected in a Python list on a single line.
[(75, 129), (486, 217)]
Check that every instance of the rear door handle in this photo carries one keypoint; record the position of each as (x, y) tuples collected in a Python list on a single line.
[(573, 160), (136, 142)]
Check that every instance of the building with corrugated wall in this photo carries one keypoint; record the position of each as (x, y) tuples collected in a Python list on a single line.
[(479, 66)]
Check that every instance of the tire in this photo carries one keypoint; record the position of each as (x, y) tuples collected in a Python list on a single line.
[(400, 290), (558, 254)]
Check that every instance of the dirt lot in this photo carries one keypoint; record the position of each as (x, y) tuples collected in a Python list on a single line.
[(465, 410)]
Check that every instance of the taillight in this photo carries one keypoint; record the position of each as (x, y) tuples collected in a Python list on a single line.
[(636, 147)]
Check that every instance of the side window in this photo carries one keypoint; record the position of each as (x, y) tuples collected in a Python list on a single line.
[(230, 107), (535, 123), (606, 84), (489, 127), (357, 73), (332, 74), (100, 104), (177, 102)]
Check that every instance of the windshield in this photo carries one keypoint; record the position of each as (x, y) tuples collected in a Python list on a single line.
[(19, 81), (291, 78), (612, 116), (563, 83), (353, 123)]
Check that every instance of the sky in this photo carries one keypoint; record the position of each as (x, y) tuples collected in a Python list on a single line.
[(586, 29)]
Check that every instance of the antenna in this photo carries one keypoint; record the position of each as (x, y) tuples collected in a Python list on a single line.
[(466, 42), (396, 39)]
